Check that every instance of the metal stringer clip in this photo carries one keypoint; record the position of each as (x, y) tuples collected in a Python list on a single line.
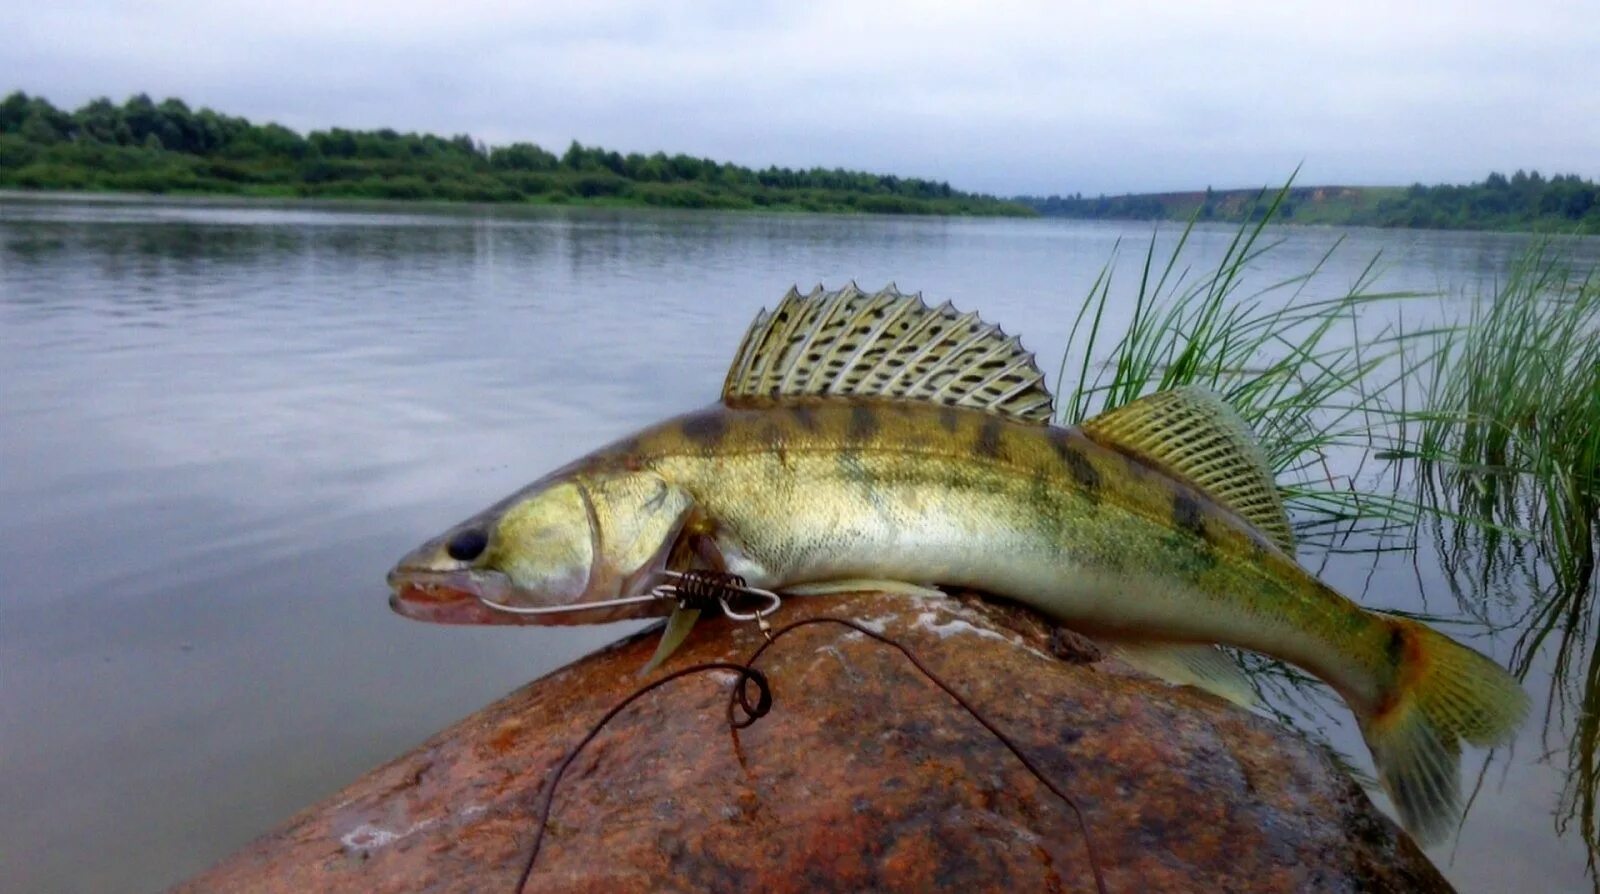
[(700, 589)]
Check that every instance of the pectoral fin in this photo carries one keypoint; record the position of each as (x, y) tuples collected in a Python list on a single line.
[(1203, 667), (679, 623)]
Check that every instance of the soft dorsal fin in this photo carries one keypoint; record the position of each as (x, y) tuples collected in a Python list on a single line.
[(850, 343), (1194, 434)]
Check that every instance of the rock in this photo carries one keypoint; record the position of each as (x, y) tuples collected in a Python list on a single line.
[(863, 777)]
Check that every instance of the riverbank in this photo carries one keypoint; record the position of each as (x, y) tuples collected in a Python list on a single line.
[(167, 148), (357, 201), (1523, 202)]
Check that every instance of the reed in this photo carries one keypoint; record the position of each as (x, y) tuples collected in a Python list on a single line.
[(1483, 431), (1511, 445), (1299, 369)]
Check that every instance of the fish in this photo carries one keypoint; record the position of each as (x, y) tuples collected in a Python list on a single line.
[(870, 439)]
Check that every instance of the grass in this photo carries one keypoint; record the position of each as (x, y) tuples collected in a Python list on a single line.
[(1299, 370), (1484, 430), (1315, 389), (1511, 443), (1515, 412)]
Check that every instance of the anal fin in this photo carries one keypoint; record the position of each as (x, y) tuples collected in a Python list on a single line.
[(1188, 664)]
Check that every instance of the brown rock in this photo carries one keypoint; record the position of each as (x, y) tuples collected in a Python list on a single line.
[(863, 777)]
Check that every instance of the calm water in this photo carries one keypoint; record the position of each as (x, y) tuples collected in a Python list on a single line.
[(220, 425)]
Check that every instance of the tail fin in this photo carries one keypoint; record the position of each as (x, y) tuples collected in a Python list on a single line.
[(1443, 692)]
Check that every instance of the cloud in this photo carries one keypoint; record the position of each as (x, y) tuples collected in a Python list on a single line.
[(1002, 96)]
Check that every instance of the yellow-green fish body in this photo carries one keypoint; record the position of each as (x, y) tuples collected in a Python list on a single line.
[(843, 490), (870, 437)]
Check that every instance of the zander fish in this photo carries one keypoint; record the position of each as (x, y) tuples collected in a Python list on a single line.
[(869, 437)]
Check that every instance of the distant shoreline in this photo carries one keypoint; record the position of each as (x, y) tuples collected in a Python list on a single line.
[(142, 146), (336, 202), (445, 207), (1523, 202)]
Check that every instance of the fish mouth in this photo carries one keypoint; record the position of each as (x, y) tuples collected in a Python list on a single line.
[(450, 597)]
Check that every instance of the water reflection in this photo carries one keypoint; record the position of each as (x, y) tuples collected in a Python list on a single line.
[(1530, 579)]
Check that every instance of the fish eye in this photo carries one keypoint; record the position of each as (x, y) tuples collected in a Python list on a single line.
[(467, 545)]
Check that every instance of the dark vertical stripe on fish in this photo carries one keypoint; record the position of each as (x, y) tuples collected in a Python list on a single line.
[(1187, 514), (1082, 471), (804, 415), (706, 429), (863, 423), (989, 438), (1397, 645)]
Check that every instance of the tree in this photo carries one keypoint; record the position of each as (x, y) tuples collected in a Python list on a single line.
[(13, 110), (149, 145), (39, 127), (102, 122), (523, 157), (572, 159)]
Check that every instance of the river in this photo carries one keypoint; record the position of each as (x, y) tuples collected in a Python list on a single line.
[(221, 422)]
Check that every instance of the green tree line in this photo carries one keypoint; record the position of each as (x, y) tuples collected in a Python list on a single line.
[(167, 147), (1523, 201)]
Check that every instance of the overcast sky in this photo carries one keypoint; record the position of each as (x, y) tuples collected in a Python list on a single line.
[(1007, 97)]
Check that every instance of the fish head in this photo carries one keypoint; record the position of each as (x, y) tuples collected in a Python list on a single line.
[(563, 542)]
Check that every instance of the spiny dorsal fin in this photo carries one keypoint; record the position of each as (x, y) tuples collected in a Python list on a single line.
[(1194, 434), (850, 343)]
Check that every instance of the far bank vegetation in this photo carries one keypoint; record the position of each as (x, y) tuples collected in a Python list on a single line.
[(166, 147)]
